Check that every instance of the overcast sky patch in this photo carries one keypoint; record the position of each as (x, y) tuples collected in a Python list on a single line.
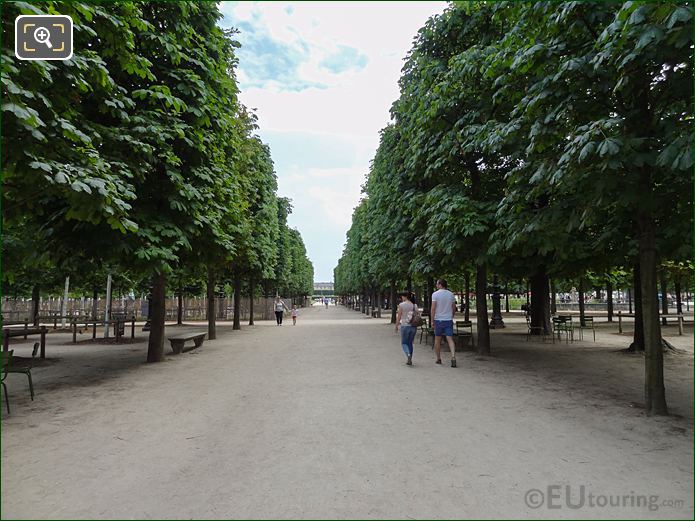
[(322, 77)]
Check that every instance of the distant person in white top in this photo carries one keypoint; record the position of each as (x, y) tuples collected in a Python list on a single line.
[(295, 313), (280, 308), (442, 312), (406, 310)]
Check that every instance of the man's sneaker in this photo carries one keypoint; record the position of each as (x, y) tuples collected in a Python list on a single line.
[(439, 361), (453, 362), (410, 360)]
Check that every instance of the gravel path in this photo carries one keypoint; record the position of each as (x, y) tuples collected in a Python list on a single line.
[(324, 420)]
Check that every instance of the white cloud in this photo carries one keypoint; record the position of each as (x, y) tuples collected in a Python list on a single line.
[(322, 139)]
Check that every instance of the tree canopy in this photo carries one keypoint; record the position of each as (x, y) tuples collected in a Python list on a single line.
[(536, 140), (137, 154)]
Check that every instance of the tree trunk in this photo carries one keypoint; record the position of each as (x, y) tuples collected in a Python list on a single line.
[(467, 297), (392, 299), (481, 309), (664, 298), (638, 337), (679, 303), (528, 292), (64, 306), (428, 294), (582, 322), (252, 294), (237, 303), (629, 301), (95, 304), (540, 302), (609, 300), (409, 286), (655, 394), (179, 307), (506, 297), (155, 348), (553, 301), (212, 316), (107, 311), (35, 297)]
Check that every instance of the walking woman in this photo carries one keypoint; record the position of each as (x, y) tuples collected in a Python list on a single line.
[(406, 310), (280, 308)]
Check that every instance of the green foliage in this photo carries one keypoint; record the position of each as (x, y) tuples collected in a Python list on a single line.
[(294, 273), (136, 154), (532, 136)]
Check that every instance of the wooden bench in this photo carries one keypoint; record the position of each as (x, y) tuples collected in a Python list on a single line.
[(11, 323), (9, 333), (178, 341)]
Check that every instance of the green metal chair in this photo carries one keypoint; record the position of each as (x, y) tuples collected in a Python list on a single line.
[(588, 324), (26, 369), (426, 329), (464, 328), (563, 324), (6, 363)]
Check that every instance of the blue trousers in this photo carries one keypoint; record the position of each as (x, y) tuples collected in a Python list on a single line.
[(407, 337)]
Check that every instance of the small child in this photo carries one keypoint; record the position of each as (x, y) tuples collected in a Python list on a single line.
[(295, 313)]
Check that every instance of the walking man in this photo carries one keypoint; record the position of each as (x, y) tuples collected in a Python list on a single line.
[(442, 312)]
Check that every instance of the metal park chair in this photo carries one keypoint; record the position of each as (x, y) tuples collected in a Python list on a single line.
[(26, 369), (6, 362), (588, 324), (426, 329)]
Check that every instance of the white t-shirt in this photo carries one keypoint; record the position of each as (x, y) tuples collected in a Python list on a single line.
[(406, 307), (445, 304)]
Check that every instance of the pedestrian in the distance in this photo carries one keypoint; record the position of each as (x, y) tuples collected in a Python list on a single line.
[(406, 310), (280, 308), (442, 312), (295, 314)]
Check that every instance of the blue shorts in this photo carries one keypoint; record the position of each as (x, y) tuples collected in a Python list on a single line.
[(443, 328)]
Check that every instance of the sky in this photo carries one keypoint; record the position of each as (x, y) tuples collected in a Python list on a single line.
[(321, 77)]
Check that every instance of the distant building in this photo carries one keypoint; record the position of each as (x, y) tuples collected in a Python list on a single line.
[(323, 288)]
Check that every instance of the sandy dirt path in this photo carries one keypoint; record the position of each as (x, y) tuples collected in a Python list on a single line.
[(324, 420)]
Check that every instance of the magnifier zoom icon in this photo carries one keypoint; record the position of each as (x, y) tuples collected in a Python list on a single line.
[(42, 35)]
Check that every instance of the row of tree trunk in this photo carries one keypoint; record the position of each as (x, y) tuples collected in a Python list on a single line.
[(155, 351), (647, 333)]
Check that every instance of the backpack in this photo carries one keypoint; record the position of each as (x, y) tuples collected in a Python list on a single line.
[(414, 317)]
